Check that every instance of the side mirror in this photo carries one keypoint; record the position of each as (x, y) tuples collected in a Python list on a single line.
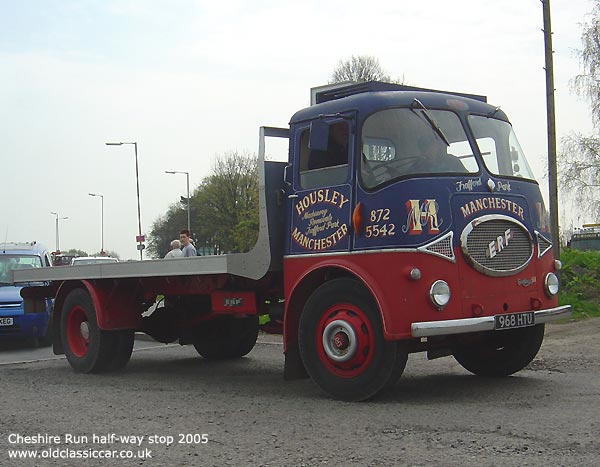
[(319, 135)]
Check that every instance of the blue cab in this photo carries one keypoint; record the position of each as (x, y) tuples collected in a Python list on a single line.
[(14, 322)]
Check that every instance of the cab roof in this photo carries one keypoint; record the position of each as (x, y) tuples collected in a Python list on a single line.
[(367, 98), (22, 248)]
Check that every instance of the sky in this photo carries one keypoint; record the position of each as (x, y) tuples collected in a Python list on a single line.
[(191, 79)]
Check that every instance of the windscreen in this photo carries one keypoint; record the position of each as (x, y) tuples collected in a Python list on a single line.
[(501, 151), (398, 143), (80, 261), (13, 262)]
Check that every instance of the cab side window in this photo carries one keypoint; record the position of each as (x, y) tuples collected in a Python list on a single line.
[(325, 168)]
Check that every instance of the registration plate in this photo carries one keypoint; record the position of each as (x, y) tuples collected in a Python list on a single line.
[(514, 320), (6, 321)]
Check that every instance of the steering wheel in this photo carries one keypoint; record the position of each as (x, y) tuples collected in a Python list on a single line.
[(405, 165)]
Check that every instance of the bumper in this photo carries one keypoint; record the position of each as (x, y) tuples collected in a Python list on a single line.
[(26, 325), (485, 323)]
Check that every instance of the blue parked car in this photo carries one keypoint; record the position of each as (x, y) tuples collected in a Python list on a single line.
[(14, 322)]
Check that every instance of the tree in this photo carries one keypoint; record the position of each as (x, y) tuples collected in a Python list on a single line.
[(361, 68), (224, 210), (579, 158), (227, 204), (74, 252)]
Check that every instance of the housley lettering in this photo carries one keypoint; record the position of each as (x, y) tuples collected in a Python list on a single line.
[(326, 195)]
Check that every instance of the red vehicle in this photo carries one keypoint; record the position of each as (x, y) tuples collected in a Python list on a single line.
[(405, 220)]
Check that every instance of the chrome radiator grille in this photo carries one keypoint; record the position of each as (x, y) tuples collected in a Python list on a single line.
[(497, 245)]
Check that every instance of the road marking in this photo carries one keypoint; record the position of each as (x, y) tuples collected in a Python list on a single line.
[(162, 346), (268, 343), (60, 357)]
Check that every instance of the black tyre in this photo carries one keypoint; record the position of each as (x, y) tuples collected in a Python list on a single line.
[(87, 348), (122, 350), (400, 365), (501, 353), (228, 337), (46, 339), (341, 343)]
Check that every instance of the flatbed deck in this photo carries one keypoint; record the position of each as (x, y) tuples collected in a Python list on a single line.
[(265, 256)]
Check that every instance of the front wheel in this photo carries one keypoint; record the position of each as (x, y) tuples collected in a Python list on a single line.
[(341, 342), (501, 353)]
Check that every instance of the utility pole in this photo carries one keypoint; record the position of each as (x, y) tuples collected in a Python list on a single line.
[(139, 238), (552, 169)]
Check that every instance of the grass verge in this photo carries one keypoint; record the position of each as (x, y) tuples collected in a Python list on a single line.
[(580, 282)]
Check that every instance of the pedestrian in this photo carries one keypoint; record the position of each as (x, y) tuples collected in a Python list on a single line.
[(175, 250), (186, 240)]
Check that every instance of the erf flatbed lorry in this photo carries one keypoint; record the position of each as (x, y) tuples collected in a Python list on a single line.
[(405, 220)]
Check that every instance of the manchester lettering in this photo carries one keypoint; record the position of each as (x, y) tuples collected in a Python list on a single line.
[(491, 203), (326, 195), (320, 243)]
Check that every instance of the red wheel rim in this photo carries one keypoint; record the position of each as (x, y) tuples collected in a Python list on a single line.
[(78, 331), (345, 340)]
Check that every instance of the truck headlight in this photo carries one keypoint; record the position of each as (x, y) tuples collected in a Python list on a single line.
[(439, 293), (551, 284)]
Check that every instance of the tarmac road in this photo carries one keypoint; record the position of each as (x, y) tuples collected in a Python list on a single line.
[(438, 415), (12, 352)]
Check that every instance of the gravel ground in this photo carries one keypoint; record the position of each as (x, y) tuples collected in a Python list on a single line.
[(438, 415)]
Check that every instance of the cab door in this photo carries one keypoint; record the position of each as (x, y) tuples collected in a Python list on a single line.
[(320, 194)]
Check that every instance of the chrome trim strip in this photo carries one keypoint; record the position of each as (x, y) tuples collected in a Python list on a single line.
[(357, 252), (485, 323), (420, 249)]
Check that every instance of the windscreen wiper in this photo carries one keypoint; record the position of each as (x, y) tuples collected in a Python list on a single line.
[(430, 119)]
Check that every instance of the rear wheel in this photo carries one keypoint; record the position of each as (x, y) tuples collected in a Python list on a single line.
[(341, 342), (123, 349), (87, 348), (501, 353), (227, 337)]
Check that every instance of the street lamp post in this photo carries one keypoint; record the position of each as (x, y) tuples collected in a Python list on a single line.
[(57, 235), (187, 176), (101, 221), (140, 238)]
